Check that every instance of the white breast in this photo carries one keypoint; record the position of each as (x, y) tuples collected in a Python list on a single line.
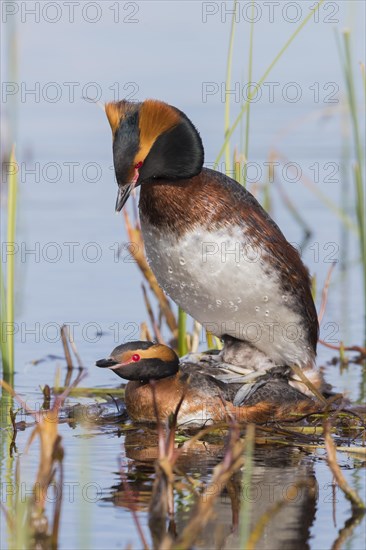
[(228, 288)]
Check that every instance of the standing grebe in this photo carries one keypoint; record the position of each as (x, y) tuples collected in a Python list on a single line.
[(212, 247), (206, 399)]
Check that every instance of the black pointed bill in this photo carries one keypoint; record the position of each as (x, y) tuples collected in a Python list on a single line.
[(106, 363), (124, 191), (123, 194), (110, 363)]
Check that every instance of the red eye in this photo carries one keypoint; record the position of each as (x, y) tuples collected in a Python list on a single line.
[(138, 165), (135, 357)]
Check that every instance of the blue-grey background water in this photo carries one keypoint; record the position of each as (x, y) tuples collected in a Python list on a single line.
[(68, 234)]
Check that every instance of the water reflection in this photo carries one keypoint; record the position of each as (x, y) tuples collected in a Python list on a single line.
[(276, 472)]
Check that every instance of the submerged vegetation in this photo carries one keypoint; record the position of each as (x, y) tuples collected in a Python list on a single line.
[(176, 489)]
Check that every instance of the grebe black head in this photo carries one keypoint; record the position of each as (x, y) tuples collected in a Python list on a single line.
[(141, 361), (151, 140)]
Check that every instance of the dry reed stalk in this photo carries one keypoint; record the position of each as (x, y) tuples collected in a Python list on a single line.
[(162, 501), (323, 304), (157, 333), (222, 473), (346, 532), (137, 251), (15, 431), (246, 481), (74, 349), (65, 345), (359, 349), (357, 503), (51, 455), (145, 332), (297, 370)]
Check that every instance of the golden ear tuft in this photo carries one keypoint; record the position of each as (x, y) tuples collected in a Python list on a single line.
[(159, 351), (114, 114), (156, 117)]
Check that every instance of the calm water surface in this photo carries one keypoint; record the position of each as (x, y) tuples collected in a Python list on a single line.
[(175, 52)]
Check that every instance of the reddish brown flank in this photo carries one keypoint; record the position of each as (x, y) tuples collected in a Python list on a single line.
[(201, 407)]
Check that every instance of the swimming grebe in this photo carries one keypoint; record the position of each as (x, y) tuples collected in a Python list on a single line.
[(206, 399), (212, 247)]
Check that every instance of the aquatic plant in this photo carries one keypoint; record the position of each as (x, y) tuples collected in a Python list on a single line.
[(7, 285), (347, 64), (26, 518)]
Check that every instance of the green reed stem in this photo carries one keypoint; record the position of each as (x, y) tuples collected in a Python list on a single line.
[(227, 87), (250, 73), (263, 78), (3, 343), (182, 332), (346, 60), (12, 204), (7, 292)]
